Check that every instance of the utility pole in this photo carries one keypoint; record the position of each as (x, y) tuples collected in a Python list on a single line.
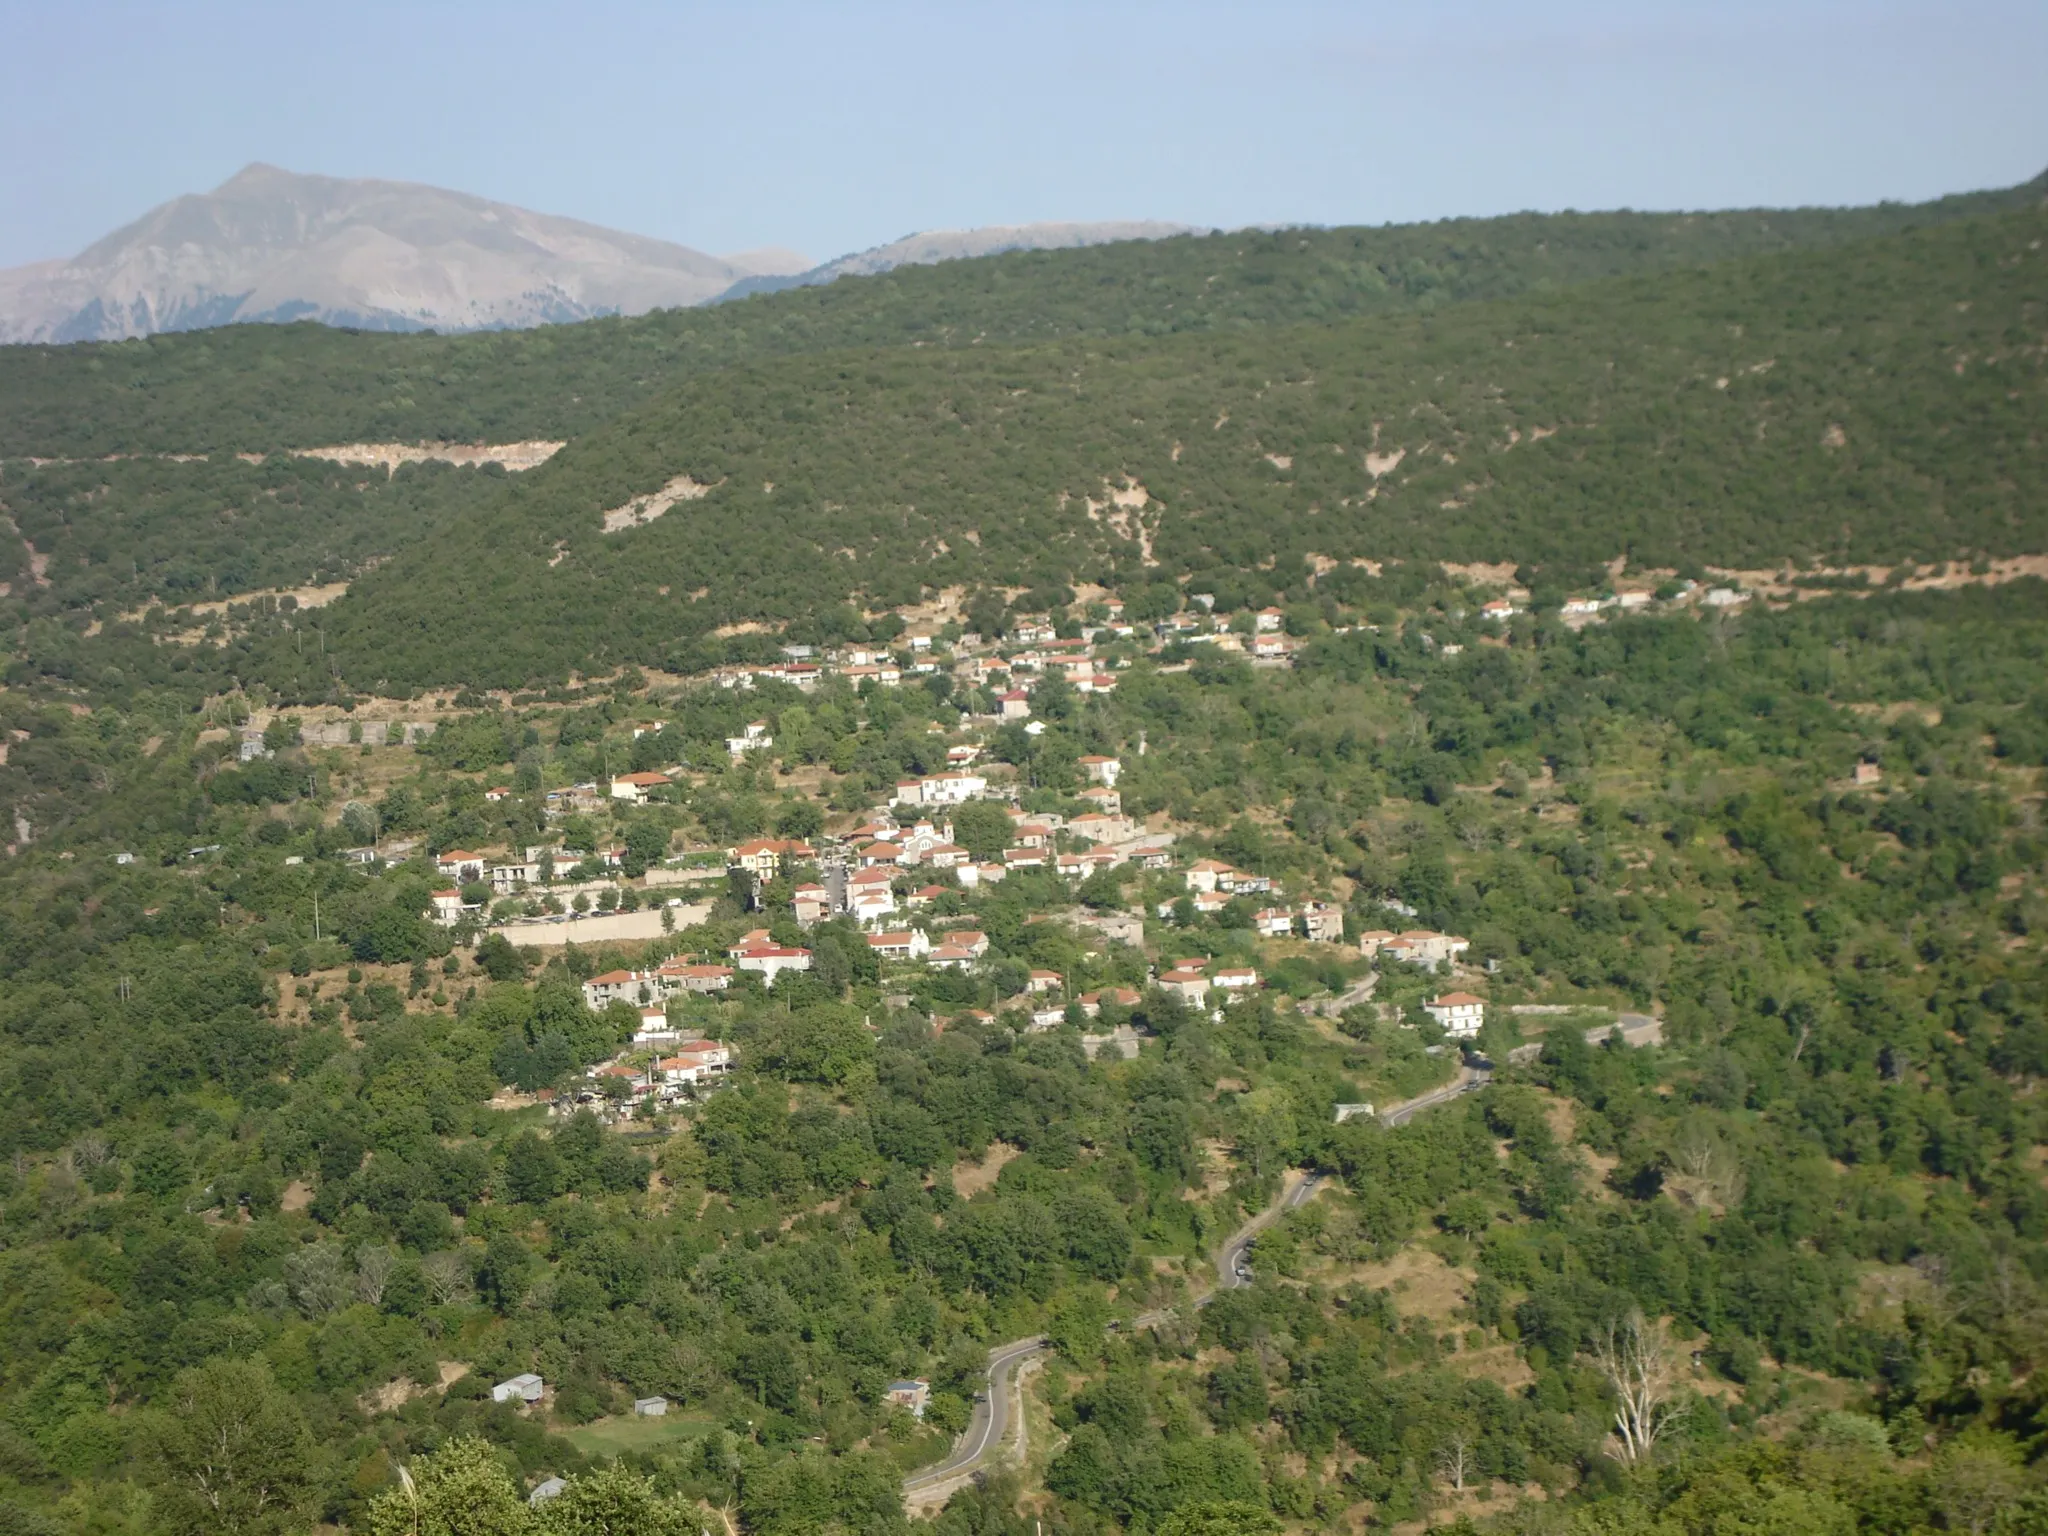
[(316, 914)]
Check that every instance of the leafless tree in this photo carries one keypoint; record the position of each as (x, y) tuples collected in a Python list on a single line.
[(374, 1263), (91, 1150), (1454, 1458), (1702, 1153), (319, 1279), (1634, 1356), (447, 1277)]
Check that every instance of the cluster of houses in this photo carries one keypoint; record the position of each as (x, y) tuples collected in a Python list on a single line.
[(1418, 946), (1630, 600), (1033, 650), (914, 832), (1265, 644), (861, 874), (660, 1065), (649, 988), (692, 1065)]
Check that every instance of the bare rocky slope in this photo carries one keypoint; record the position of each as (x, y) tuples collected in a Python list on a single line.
[(269, 244)]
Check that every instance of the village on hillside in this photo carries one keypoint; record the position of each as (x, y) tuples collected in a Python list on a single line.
[(902, 873)]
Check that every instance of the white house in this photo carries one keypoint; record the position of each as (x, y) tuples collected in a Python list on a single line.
[(753, 737), (1102, 770), (902, 944), (871, 905), (695, 1061), (447, 907), (950, 788), (461, 866), (874, 877), (523, 1388), (1273, 922), (771, 960), (1211, 875), (1460, 1013), (634, 788), (655, 1028)]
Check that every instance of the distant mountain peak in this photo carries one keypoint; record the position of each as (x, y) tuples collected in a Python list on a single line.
[(274, 244), (935, 245), (257, 172)]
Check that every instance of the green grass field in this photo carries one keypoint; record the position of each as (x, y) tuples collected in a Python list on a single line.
[(615, 1436)]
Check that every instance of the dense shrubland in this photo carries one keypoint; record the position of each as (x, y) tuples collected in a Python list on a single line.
[(265, 387)]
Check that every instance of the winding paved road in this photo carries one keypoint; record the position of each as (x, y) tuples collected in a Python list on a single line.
[(1231, 1267), (1468, 1080), (1636, 1029), (987, 1427)]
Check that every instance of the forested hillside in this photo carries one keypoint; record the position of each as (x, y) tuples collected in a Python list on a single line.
[(300, 1210), (1877, 403), (316, 1138), (261, 388)]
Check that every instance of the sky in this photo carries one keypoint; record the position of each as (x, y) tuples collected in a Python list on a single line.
[(830, 128)]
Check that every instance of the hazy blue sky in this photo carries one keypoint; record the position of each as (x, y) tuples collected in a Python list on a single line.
[(832, 127)]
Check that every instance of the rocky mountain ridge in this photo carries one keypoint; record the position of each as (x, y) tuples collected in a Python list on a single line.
[(273, 245), (930, 246)]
